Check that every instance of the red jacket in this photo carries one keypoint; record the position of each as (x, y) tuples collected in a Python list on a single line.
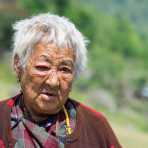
[(92, 129)]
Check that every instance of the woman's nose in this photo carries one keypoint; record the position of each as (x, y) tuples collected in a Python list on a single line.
[(53, 79)]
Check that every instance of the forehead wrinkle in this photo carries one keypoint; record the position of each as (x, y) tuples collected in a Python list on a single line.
[(52, 54), (62, 61), (46, 57)]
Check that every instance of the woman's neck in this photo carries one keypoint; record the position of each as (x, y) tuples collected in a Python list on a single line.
[(31, 114)]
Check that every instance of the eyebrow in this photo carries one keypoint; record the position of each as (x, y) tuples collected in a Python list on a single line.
[(66, 61), (44, 57)]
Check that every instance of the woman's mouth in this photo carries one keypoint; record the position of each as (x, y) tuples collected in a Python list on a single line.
[(47, 96)]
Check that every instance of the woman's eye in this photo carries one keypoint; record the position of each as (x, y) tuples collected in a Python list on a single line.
[(66, 69), (42, 68)]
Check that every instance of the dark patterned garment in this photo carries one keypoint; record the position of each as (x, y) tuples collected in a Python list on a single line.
[(50, 133), (90, 129)]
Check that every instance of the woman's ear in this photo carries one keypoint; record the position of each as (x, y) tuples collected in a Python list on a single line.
[(17, 66)]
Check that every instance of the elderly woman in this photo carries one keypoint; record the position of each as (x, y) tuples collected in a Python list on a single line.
[(49, 53)]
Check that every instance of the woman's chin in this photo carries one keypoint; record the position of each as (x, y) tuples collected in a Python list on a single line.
[(48, 106)]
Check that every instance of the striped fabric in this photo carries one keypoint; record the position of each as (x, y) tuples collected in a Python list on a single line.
[(46, 134)]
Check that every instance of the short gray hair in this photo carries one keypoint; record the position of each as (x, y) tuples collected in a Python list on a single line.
[(59, 30)]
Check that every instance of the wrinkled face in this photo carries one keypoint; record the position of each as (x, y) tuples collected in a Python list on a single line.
[(47, 79)]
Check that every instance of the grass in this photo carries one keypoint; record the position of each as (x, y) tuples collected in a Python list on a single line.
[(7, 80), (131, 138), (6, 74), (7, 90)]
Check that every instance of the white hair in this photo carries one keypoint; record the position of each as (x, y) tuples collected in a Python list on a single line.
[(56, 29)]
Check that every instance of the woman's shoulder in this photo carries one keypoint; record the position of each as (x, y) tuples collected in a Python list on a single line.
[(87, 110), (97, 122)]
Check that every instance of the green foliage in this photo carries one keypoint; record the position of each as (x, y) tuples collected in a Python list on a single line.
[(36, 6), (6, 30), (115, 46)]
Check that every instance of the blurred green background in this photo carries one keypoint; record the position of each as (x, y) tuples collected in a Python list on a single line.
[(116, 81)]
